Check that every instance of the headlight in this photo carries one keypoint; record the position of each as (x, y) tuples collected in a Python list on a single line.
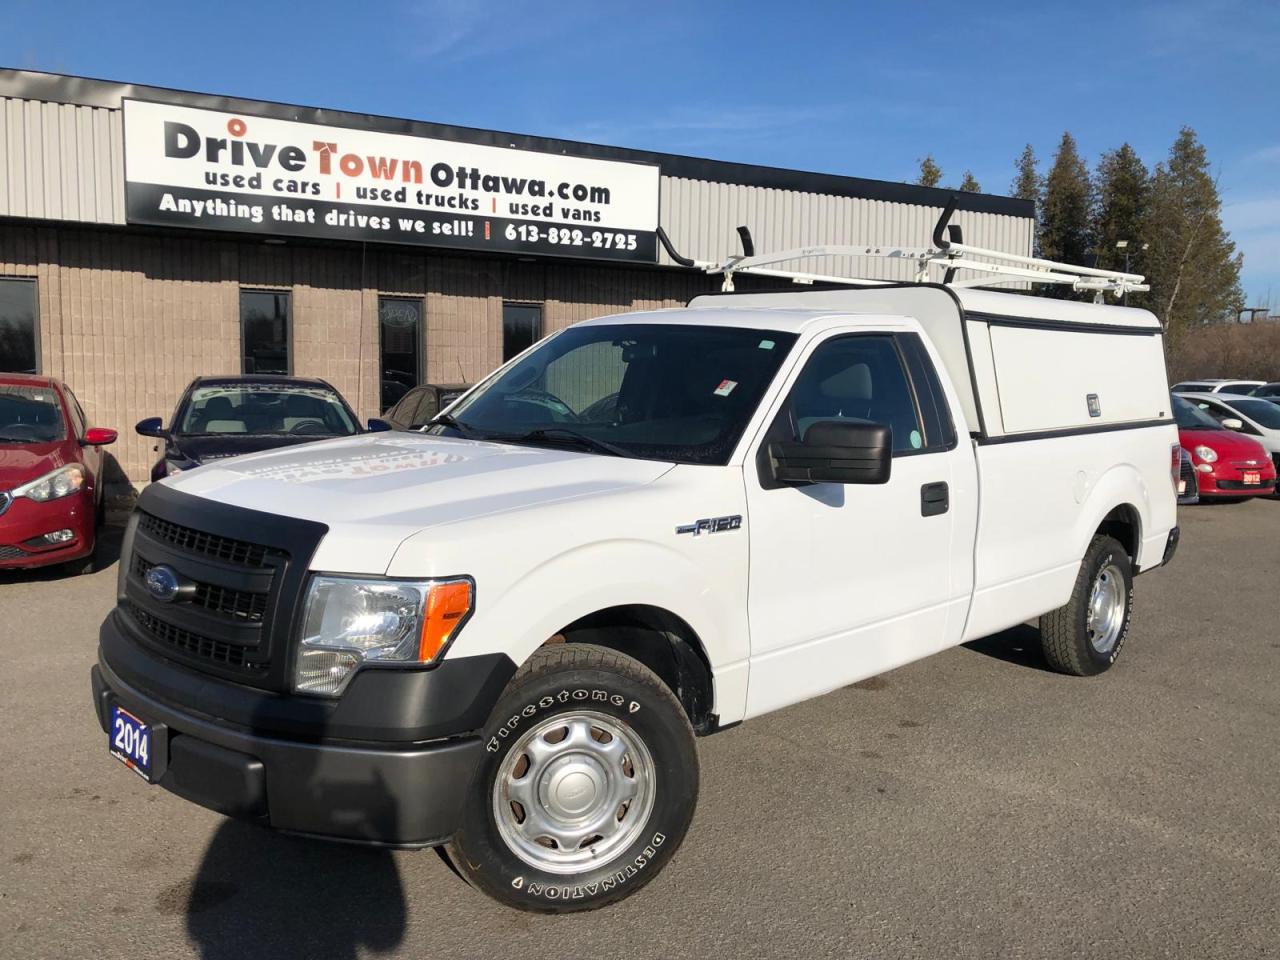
[(350, 622), (1207, 454), (60, 483)]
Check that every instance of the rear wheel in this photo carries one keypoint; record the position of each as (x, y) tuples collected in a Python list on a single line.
[(1085, 636), (588, 785)]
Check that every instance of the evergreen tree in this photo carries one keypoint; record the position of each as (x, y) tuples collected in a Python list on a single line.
[(1064, 219), (930, 172), (1122, 186), (1194, 269), (1029, 185), (970, 183)]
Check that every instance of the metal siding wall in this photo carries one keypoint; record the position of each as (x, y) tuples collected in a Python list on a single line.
[(61, 162), (702, 220)]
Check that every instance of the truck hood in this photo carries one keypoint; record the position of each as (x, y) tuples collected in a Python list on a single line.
[(373, 491)]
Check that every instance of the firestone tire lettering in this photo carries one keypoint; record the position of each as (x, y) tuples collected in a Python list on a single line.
[(544, 703)]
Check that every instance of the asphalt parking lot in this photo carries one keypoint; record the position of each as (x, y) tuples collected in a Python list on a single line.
[(971, 805)]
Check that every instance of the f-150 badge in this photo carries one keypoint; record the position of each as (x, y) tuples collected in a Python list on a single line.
[(711, 525)]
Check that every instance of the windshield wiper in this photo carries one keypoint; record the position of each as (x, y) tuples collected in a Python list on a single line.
[(22, 440), (573, 436), (448, 420)]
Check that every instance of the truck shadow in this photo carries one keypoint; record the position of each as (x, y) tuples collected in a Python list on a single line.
[(1018, 645), (258, 893)]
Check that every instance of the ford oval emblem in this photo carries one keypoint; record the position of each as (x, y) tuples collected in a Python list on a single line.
[(163, 583)]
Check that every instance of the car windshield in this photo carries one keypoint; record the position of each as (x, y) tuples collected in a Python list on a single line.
[(30, 415), (652, 391), (1190, 417), (1260, 411), (265, 408)]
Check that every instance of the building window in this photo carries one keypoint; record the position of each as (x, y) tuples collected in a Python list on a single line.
[(521, 328), (19, 352), (264, 332), (400, 346)]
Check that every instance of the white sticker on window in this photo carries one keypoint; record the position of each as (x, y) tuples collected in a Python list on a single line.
[(915, 440), (766, 344), (725, 388)]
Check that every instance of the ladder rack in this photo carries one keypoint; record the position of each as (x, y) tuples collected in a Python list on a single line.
[(949, 253)]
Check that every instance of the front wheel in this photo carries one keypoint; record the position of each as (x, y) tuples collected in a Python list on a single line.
[(588, 785), (1085, 636)]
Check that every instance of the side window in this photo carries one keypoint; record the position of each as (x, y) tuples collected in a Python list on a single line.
[(859, 377), (425, 407), (939, 428), (77, 414)]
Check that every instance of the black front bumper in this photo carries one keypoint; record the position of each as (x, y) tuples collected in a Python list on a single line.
[(291, 762)]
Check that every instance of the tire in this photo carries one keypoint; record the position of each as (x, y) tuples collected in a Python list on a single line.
[(552, 738), (1073, 643)]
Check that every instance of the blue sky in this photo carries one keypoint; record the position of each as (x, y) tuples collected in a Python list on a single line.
[(841, 87)]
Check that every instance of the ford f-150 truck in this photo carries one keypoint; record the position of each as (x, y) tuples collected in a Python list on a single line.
[(503, 634)]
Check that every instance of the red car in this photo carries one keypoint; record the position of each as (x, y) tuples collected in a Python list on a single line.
[(1227, 464), (50, 468)]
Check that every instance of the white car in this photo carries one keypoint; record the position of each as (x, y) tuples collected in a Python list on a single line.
[(504, 634), (1253, 416), (1217, 385)]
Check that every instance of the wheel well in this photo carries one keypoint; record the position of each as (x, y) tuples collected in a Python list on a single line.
[(1124, 524), (661, 641)]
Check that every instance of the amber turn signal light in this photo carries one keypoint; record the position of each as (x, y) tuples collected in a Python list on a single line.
[(447, 605)]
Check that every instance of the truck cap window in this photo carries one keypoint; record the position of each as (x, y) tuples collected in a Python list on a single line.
[(652, 391)]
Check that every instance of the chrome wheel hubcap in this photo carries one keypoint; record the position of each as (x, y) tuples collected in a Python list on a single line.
[(1107, 602), (574, 792)]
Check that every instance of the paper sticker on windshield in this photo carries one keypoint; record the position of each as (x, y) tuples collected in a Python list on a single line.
[(725, 388), (766, 344)]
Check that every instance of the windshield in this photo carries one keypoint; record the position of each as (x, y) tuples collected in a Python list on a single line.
[(653, 391), (1190, 417), (30, 415), (1260, 411), (258, 408)]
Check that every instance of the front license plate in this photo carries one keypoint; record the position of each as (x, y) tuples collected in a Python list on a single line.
[(130, 741), (1253, 477)]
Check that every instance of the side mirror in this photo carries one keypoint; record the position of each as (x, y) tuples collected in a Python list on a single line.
[(834, 451), (151, 427), (1233, 423), (99, 437), (378, 425)]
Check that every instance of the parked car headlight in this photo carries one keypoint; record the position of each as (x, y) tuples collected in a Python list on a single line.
[(52, 486), (1207, 454), (350, 622)]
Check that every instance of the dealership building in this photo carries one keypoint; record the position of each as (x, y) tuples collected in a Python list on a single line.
[(149, 236)]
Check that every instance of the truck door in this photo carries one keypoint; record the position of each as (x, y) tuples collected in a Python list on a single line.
[(847, 581)]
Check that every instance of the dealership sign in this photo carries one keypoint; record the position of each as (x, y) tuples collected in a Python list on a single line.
[(191, 167)]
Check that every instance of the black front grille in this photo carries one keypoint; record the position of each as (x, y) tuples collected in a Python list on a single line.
[(189, 643), (242, 605), (1188, 475), (208, 544), (11, 553), (241, 573)]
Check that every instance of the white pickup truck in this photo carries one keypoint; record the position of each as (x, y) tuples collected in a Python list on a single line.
[(503, 634)]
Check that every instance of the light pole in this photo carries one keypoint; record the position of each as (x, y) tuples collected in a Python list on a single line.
[(1124, 245)]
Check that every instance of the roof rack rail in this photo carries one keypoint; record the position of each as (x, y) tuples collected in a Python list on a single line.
[(949, 253)]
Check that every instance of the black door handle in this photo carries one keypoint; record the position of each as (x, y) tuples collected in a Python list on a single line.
[(935, 499)]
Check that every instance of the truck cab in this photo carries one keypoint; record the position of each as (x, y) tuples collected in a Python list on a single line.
[(503, 633)]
